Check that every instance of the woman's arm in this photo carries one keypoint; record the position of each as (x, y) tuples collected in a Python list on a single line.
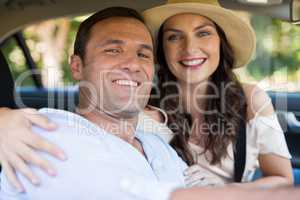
[(277, 170), (235, 193), (17, 143)]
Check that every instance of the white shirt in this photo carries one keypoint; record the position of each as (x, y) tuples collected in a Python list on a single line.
[(100, 165)]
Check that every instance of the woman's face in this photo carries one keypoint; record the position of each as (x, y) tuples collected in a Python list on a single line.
[(192, 47)]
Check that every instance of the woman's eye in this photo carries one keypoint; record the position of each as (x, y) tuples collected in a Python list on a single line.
[(173, 38), (203, 33)]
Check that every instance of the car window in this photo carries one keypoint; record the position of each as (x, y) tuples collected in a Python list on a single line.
[(17, 62), (50, 43), (275, 66)]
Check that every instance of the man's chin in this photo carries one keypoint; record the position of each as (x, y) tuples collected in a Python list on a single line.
[(128, 114), (128, 111), (121, 110)]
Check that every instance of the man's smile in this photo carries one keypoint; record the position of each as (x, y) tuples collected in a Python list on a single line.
[(124, 82)]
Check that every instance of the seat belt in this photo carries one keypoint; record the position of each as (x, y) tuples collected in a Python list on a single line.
[(240, 153)]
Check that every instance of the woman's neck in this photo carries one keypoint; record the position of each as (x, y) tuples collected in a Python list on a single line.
[(193, 97)]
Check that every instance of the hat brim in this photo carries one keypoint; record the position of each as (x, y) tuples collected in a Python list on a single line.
[(239, 33)]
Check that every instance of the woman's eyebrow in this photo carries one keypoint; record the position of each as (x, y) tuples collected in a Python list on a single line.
[(203, 26), (195, 29), (172, 30)]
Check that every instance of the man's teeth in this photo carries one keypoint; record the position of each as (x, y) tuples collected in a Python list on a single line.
[(193, 62), (127, 83)]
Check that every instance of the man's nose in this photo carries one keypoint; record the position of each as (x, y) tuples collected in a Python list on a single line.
[(131, 64)]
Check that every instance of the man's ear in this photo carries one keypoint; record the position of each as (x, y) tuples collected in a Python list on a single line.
[(76, 66)]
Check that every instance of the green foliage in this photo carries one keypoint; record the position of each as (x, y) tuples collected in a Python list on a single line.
[(278, 47), (68, 80), (16, 60)]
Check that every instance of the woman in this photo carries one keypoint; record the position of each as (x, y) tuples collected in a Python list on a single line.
[(198, 45), (193, 53)]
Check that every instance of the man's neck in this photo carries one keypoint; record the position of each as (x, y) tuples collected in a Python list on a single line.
[(123, 128)]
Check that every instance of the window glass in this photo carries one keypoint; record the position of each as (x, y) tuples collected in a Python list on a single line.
[(17, 62), (51, 44), (276, 63)]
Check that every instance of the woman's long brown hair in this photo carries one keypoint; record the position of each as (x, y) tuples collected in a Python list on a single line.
[(232, 113)]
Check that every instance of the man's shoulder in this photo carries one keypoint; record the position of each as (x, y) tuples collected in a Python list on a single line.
[(74, 131), (155, 142), (62, 116), (150, 137), (162, 154), (69, 123)]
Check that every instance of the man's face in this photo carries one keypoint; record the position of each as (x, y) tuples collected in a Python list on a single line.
[(119, 65)]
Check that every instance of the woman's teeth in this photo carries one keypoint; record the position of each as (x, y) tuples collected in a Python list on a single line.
[(126, 83), (193, 62)]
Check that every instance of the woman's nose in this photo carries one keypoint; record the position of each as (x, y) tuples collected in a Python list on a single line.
[(189, 45)]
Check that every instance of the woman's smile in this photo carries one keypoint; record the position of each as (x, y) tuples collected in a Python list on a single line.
[(192, 63)]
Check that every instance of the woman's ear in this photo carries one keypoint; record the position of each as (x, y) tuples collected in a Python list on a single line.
[(76, 66)]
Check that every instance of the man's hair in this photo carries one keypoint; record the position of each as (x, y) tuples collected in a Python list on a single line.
[(83, 33)]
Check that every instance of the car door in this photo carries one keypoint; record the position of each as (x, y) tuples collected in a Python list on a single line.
[(287, 106)]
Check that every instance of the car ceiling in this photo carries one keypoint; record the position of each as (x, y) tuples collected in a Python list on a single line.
[(15, 14)]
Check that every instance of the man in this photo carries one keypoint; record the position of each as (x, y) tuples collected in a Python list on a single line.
[(113, 62)]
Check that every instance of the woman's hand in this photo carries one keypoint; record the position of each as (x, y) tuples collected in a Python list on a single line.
[(18, 144), (196, 176)]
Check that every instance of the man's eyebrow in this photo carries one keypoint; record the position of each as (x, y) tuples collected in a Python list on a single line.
[(146, 46), (110, 41), (116, 41)]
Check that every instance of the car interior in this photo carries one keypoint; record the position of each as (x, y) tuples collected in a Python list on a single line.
[(6, 85), (15, 15)]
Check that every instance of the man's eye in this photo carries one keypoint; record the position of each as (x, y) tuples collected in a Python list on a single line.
[(142, 55), (173, 38), (112, 51)]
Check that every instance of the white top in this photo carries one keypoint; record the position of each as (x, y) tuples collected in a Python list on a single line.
[(150, 125), (100, 165), (264, 136)]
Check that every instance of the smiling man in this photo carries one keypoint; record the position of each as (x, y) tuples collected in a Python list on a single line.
[(115, 69), (113, 62)]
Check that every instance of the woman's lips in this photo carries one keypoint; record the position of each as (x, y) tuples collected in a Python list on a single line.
[(193, 63)]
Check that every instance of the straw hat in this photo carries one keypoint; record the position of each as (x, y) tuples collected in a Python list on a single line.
[(238, 31)]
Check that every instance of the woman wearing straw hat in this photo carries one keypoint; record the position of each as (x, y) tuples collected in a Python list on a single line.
[(223, 129)]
